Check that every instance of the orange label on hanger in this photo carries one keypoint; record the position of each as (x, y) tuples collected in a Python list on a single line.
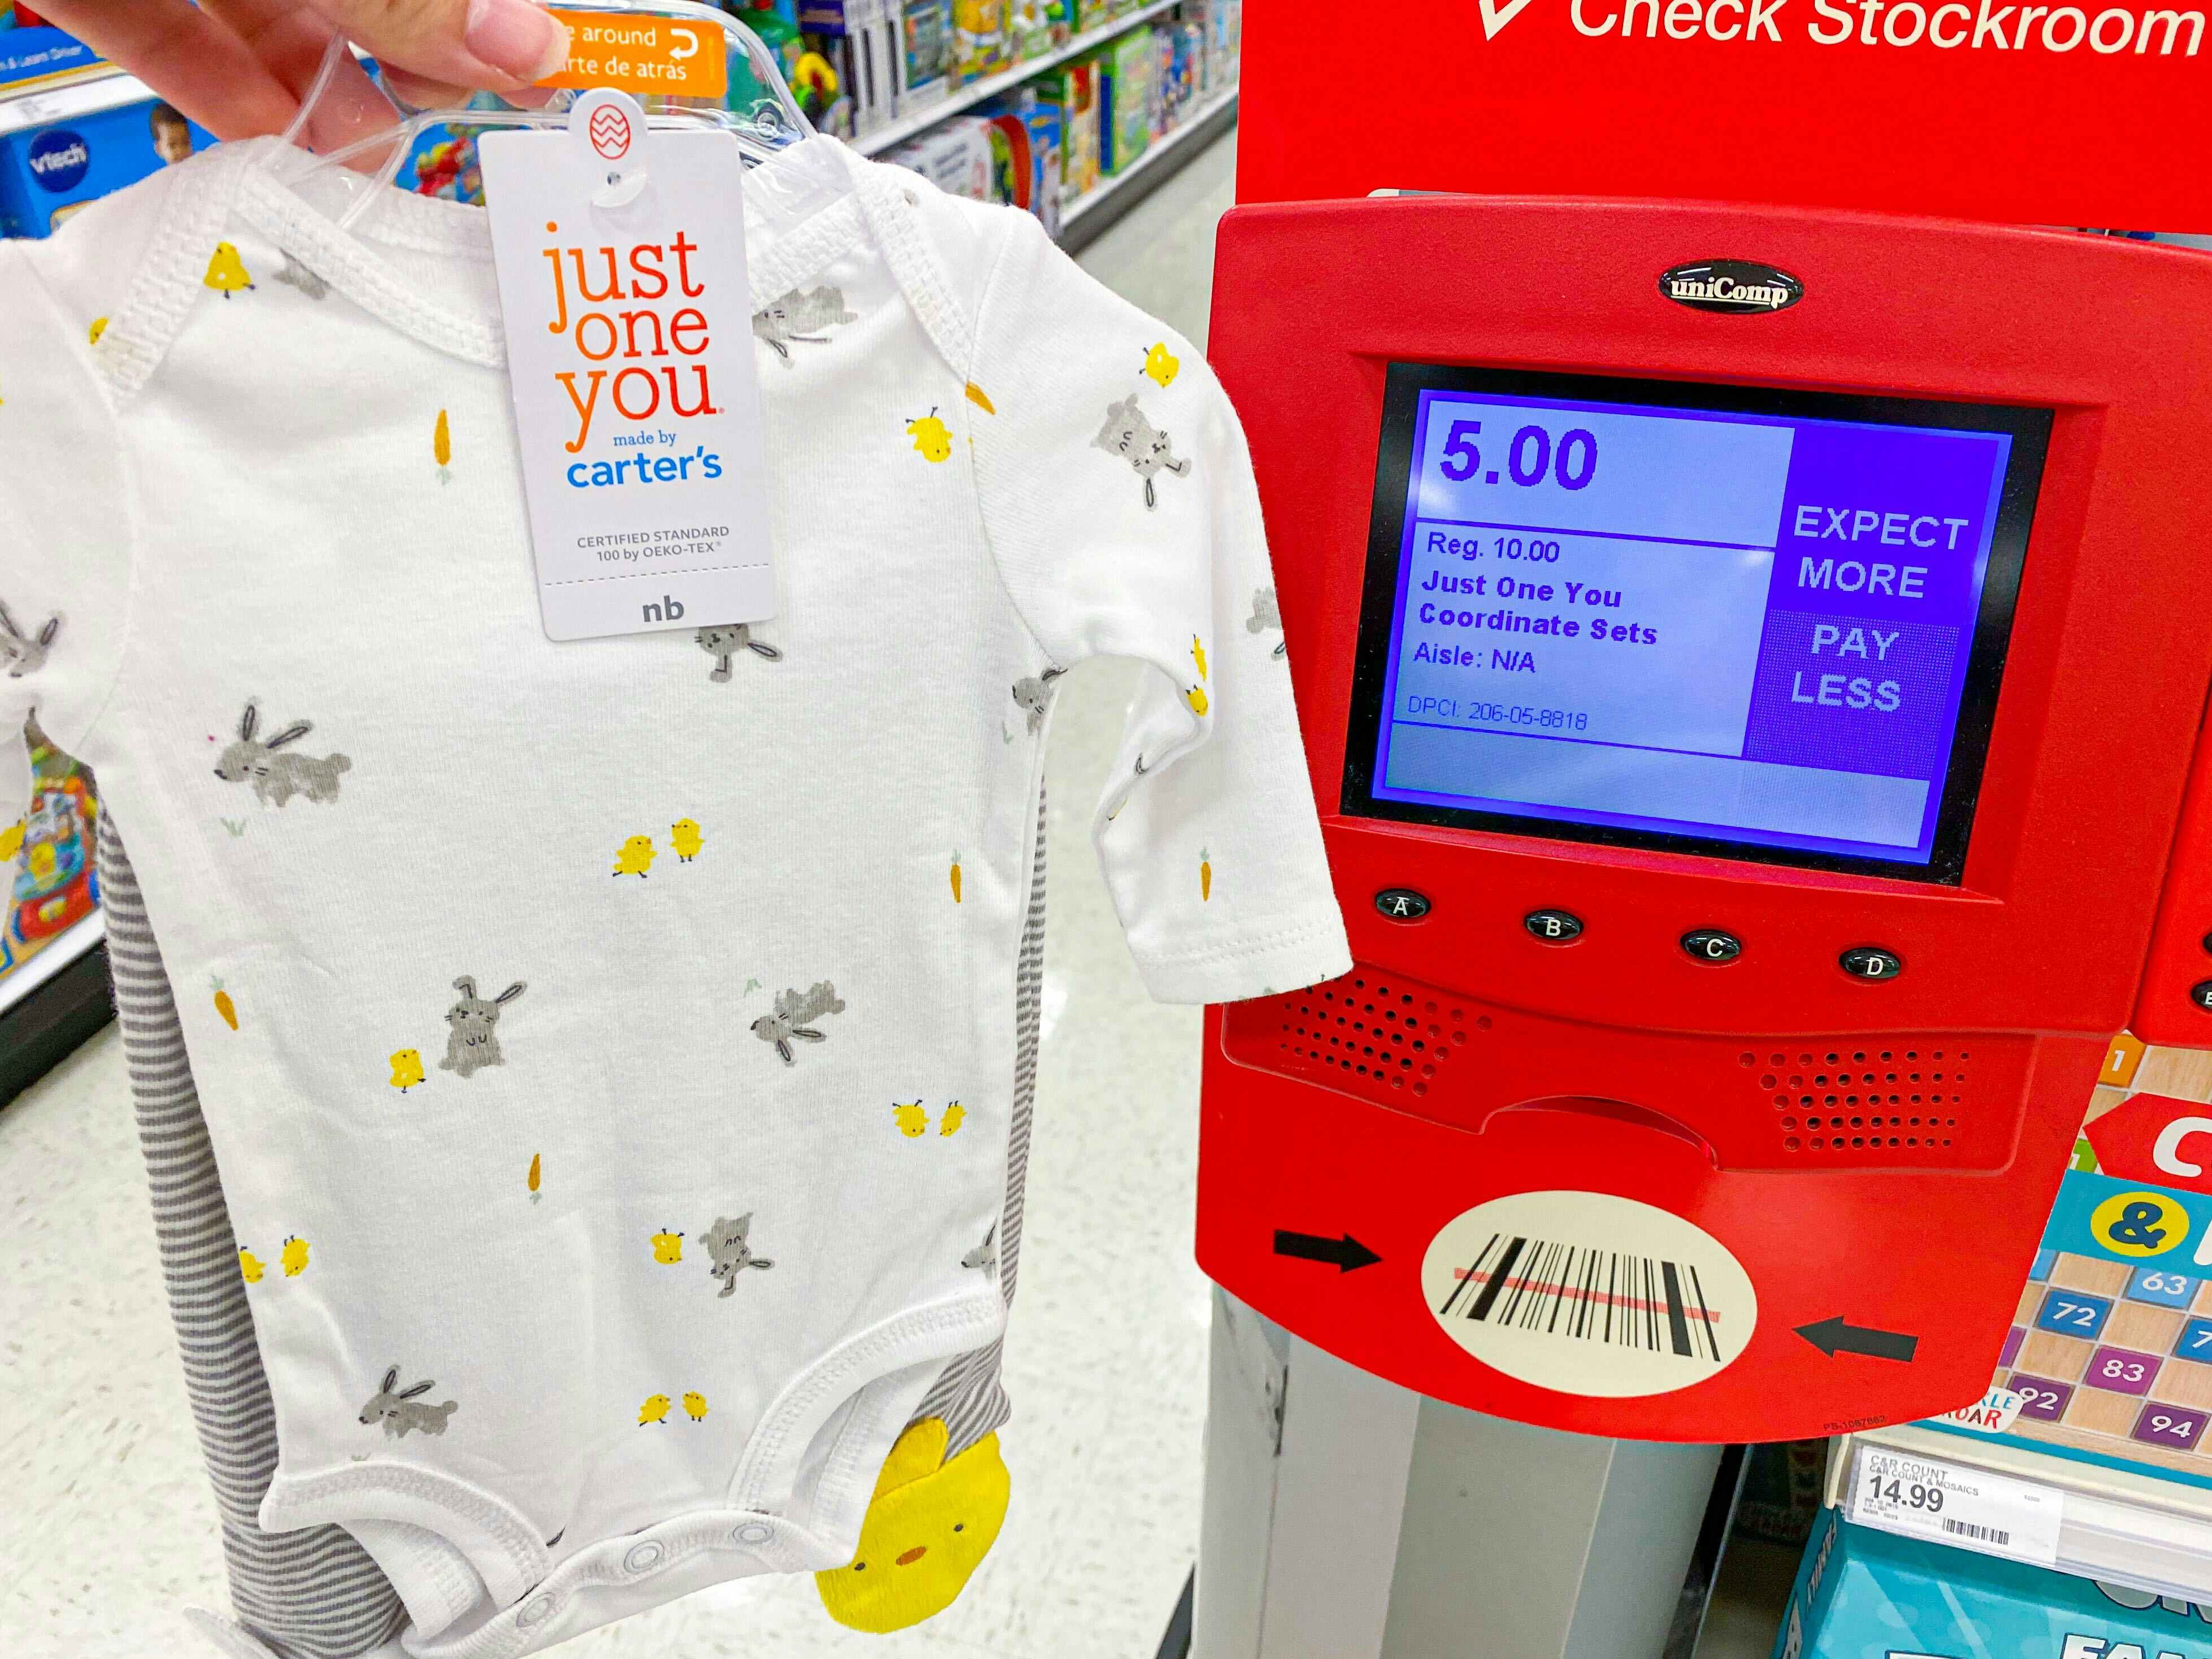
[(643, 55)]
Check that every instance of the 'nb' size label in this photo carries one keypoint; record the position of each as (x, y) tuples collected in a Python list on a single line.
[(621, 258)]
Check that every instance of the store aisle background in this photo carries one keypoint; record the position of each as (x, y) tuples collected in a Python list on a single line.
[(107, 1529)]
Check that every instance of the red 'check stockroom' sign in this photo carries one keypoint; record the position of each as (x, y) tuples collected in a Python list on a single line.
[(2089, 114)]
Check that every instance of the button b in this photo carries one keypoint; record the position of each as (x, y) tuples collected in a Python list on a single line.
[(1554, 926), (2201, 995), (1871, 962), (1711, 945)]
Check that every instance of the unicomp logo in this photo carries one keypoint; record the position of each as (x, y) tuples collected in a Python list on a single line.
[(59, 158), (1732, 287)]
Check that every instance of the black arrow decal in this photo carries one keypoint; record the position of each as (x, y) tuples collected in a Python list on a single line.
[(1832, 1336), (1346, 1252)]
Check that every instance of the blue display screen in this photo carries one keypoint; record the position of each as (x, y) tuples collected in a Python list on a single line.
[(1750, 628)]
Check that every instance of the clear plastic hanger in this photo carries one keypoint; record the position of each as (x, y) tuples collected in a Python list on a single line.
[(770, 125)]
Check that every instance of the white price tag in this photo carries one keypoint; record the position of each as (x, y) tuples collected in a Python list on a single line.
[(621, 255), (1971, 1509)]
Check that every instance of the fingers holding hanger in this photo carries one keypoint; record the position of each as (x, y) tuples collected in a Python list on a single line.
[(440, 48), (189, 58)]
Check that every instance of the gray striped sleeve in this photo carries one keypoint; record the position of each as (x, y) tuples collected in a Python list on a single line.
[(307, 1594), (969, 1396)]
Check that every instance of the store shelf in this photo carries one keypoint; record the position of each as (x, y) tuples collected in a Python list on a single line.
[(99, 89), (975, 92), (2115, 1525), (26, 977), (1095, 207)]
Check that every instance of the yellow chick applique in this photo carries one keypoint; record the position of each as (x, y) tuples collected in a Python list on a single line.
[(1161, 365), (683, 836), (913, 1121), (954, 1116), (226, 272), (635, 858), (694, 1406), (933, 438), (294, 1256), (406, 1069), (1198, 702), (655, 1410), (667, 1247), (929, 1526), (249, 1265)]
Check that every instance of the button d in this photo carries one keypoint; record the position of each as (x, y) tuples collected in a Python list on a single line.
[(1871, 962), (754, 1532), (1554, 926), (1711, 945), (644, 1557), (1402, 904), (2201, 995), (535, 1612)]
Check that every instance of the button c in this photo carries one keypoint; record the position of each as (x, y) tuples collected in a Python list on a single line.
[(1711, 945), (2201, 995), (643, 1558), (754, 1532), (2207, 943), (535, 1612), (1554, 926), (1871, 962), (1402, 903)]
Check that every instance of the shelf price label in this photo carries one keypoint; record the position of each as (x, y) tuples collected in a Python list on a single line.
[(1971, 1509)]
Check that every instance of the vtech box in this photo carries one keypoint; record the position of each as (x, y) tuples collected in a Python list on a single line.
[(48, 173)]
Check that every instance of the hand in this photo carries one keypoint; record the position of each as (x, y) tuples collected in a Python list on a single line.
[(239, 68)]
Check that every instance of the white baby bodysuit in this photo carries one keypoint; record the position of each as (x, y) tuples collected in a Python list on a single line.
[(609, 1048)]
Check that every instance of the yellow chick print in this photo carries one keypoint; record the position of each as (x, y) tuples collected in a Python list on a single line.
[(954, 1116), (1161, 365), (1198, 702), (695, 1405), (406, 1069), (667, 1247), (99, 327), (933, 438), (655, 1410), (635, 858), (929, 1527), (683, 836), (249, 1265), (226, 272), (294, 1256), (1198, 655), (913, 1121)]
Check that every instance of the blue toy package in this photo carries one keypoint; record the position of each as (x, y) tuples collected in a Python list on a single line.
[(38, 54), (1862, 1593), (48, 173)]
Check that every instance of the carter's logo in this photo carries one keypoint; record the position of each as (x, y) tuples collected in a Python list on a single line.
[(610, 132), (1736, 287)]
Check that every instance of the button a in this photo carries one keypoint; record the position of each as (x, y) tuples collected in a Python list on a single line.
[(1402, 904), (1871, 962), (1711, 945), (535, 1612), (754, 1532), (1554, 926), (2201, 995), (643, 1558)]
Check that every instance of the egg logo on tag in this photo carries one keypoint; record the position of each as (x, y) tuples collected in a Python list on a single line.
[(610, 132)]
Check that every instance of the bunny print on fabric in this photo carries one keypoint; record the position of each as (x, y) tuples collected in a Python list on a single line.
[(23, 654), (793, 1009), (276, 778), (401, 1411), (473, 1044)]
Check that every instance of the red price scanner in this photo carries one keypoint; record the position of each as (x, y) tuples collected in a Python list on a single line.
[(1754, 665)]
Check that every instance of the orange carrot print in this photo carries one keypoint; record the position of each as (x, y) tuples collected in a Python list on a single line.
[(956, 877), (1205, 876), (442, 446), (976, 397), (534, 1157), (225, 1006)]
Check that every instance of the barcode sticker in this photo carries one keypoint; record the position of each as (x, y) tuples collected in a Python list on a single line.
[(1972, 1508), (1587, 1293)]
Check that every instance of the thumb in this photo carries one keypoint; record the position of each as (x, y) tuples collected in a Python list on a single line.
[(502, 45)]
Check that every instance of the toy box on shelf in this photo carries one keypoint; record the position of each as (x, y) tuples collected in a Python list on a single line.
[(2108, 1360), (54, 169), (33, 53), (1860, 1593), (47, 856), (1128, 75)]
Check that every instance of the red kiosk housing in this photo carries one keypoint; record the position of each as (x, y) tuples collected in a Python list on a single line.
[(1865, 1095)]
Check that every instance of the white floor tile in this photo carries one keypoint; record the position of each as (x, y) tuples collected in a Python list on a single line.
[(106, 1528)]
